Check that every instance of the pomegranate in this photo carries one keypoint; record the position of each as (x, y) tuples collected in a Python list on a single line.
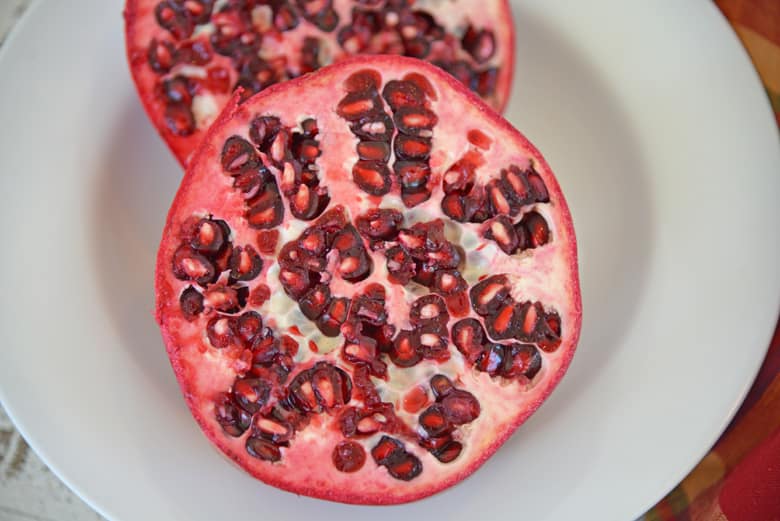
[(413, 305), (188, 56)]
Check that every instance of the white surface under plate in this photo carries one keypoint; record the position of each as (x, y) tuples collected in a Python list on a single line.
[(662, 138)]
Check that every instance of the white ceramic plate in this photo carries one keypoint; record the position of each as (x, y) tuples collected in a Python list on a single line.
[(662, 138)]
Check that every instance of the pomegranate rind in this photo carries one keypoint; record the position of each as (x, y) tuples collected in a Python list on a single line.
[(354, 488), (140, 27)]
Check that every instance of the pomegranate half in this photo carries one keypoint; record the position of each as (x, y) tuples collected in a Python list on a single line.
[(188, 56), (367, 281)]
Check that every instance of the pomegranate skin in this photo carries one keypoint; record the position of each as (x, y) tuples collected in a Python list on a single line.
[(200, 381)]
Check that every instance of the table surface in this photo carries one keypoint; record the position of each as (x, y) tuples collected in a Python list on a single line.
[(28, 489)]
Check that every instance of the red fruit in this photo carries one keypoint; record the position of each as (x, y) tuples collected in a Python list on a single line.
[(243, 44), (379, 355)]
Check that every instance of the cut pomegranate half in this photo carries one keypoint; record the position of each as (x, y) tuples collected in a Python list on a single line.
[(188, 56), (411, 313)]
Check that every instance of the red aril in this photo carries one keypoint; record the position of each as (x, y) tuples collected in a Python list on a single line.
[(187, 56), (379, 349)]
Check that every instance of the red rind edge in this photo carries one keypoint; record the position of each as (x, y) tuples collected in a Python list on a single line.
[(164, 292)]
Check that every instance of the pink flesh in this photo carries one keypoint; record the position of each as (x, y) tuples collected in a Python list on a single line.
[(547, 274)]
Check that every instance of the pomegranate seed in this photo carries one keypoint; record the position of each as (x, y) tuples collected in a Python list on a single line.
[(245, 263), (357, 105), (372, 177), (434, 345), (399, 94), (218, 79), (406, 349), (249, 326), (429, 309), (190, 265), (460, 407), (263, 130), (238, 156), (307, 204), (332, 386), (454, 207), (208, 237), (413, 175), (499, 198), (449, 282), (550, 332), (348, 456), (171, 18), (479, 139), (493, 360), (289, 345), (517, 181), (415, 121), (503, 324), (418, 48), (335, 315), (526, 361), (363, 351), (538, 232), (222, 298), (448, 452), (529, 317), (179, 119), (285, 18), (233, 420), (415, 399), (502, 231), (538, 187), (272, 428), (489, 294), (295, 281), (412, 148), (195, 52), (434, 444), (441, 386), (486, 82), (379, 223), (263, 449), (459, 178), (363, 80), (259, 295), (469, 337), (415, 198), (314, 302), (387, 448), (481, 45), (161, 55), (221, 331), (406, 467), (267, 240), (267, 210), (191, 302), (400, 266), (461, 70), (373, 151), (434, 421), (251, 394)]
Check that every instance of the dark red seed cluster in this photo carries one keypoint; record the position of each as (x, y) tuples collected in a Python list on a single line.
[(391, 27), (453, 408), (466, 201), (205, 254), (400, 463)]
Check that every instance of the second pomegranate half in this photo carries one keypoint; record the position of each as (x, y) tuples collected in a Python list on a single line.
[(367, 281), (187, 56)]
